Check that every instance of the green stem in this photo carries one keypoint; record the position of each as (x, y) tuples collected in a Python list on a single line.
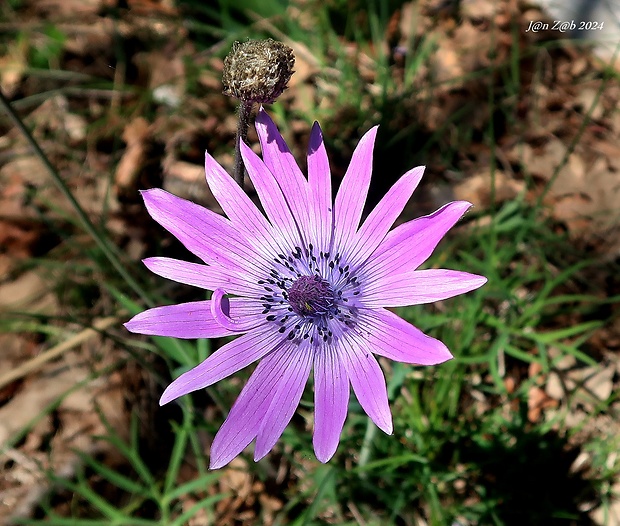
[(87, 224), (371, 431)]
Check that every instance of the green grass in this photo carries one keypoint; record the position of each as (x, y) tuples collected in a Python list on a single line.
[(463, 449)]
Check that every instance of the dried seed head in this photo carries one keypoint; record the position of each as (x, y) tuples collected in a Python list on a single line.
[(257, 70)]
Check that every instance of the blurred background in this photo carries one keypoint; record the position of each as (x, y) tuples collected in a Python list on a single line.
[(508, 106)]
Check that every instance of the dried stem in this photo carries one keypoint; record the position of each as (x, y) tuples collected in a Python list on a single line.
[(38, 361), (245, 110)]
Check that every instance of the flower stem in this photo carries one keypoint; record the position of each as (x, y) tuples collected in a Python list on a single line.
[(245, 110), (364, 456)]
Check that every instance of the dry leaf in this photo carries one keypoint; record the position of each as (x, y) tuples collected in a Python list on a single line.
[(135, 134), (536, 402), (77, 9), (479, 188)]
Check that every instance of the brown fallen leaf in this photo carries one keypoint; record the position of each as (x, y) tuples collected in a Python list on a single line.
[(595, 383), (135, 134), (480, 187), (68, 8), (480, 9), (583, 195), (28, 292), (13, 65), (153, 7), (237, 481), (537, 401)]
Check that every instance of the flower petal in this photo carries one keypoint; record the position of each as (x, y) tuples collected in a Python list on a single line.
[(185, 320), (331, 400), (227, 360), (240, 209), (220, 308), (285, 399), (277, 208), (390, 336), (278, 158), (206, 234), (419, 286), (368, 383), (198, 275), (381, 219), (351, 196), (320, 183), (248, 412), (409, 245)]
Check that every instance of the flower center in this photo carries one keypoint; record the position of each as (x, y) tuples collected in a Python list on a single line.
[(311, 296)]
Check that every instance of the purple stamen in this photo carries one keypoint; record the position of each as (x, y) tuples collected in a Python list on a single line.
[(311, 296)]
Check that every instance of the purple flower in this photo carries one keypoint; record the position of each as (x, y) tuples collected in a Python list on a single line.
[(308, 289)]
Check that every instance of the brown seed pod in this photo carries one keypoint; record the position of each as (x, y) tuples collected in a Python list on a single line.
[(257, 70)]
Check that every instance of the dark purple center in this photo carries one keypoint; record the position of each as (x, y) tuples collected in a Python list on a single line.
[(310, 296)]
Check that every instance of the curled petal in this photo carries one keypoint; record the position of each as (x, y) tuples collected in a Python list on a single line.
[(195, 320), (220, 308)]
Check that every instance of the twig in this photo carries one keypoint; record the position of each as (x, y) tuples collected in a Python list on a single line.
[(37, 362)]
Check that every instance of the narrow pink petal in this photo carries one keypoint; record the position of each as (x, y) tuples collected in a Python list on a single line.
[(388, 335), (409, 245), (209, 236), (280, 161), (381, 219), (185, 320), (240, 209), (353, 190), (227, 360), (319, 180), (248, 412), (331, 400), (285, 399), (203, 276), (278, 210), (368, 383), (419, 286)]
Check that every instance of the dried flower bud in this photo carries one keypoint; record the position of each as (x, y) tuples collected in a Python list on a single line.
[(257, 70)]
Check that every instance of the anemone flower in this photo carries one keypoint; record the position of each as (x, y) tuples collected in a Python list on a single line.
[(304, 285)]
